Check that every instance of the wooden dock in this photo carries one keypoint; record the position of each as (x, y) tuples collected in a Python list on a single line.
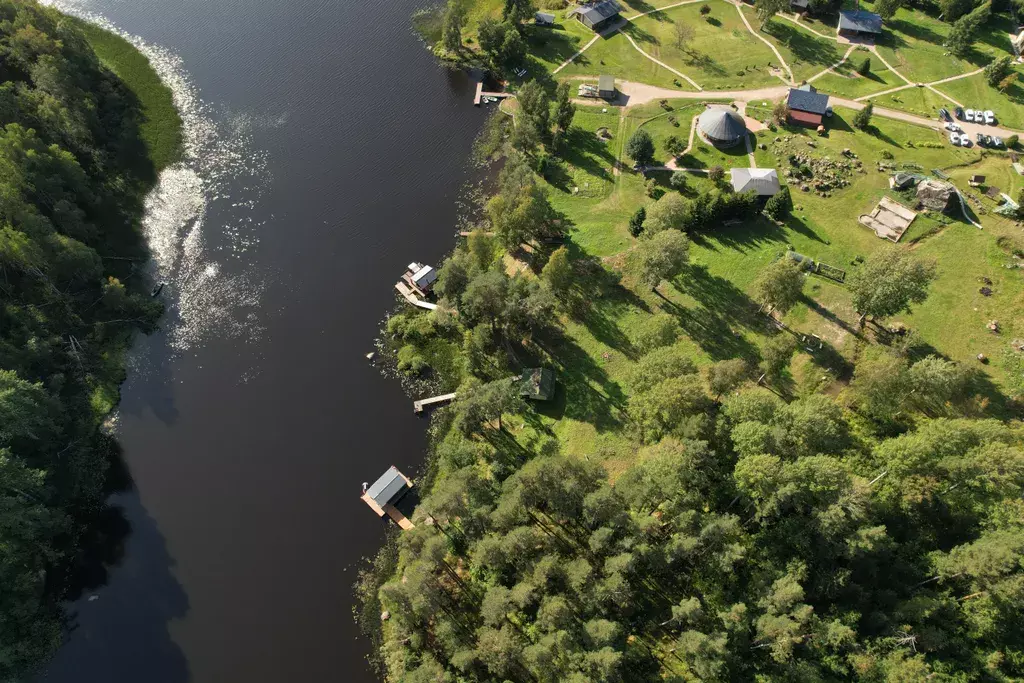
[(481, 94), (418, 406), (409, 295)]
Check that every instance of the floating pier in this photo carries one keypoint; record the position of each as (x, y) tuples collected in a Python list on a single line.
[(481, 94), (418, 406)]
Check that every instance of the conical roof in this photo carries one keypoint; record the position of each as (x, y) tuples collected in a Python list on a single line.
[(723, 125)]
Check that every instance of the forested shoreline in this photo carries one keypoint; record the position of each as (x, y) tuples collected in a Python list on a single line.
[(684, 509), (75, 172)]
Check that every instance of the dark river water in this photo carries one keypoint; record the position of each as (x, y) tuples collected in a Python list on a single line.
[(328, 150)]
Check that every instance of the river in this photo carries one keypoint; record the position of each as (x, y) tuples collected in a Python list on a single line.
[(327, 151)]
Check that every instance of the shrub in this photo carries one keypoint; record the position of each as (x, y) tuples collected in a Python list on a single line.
[(410, 361), (653, 332), (998, 70), (705, 9), (636, 222), (862, 119), (640, 147), (716, 174), (678, 181), (1012, 141), (779, 205), (652, 189), (864, 68)]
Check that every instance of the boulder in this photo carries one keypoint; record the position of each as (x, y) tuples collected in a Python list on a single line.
[(937, 195)]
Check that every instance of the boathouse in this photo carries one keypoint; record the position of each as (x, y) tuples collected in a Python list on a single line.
[(385, 492), (420, 277)]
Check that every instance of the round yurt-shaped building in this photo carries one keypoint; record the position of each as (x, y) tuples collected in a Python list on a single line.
[(721, 127)]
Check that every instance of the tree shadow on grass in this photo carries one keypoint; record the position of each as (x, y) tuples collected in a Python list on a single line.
[(833, 318), (746, 235), (602, 406), (636, 33), (796, 224), (705, 63), (915, 31), (722, 307), (805, 47)]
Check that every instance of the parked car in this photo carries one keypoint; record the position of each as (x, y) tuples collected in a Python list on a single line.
[(989, 141), (828, 110), (954, 138), (959, 112), (980, 137), (990, 117), (997, 141), (969, 115), (953, 127), (944, 114)]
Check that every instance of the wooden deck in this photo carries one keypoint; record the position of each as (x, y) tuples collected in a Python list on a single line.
[(418, 406), (409, 295)]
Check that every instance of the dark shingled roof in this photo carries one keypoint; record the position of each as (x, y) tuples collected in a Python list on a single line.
[(860, 20), (809, 100), (598, 11)]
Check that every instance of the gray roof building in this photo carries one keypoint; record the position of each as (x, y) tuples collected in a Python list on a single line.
[(763, 181), (596, 15), (860, 21), (606, 86), (807, 98), (544, 18), (722, 126), (388, 488)]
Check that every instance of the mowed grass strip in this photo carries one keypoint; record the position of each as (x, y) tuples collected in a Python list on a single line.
[(161, 124)]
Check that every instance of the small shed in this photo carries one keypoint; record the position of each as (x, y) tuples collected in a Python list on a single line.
[(537, 384), (763, 181), (596, 15), (976, 180), (859, 24), (420, 277), (544, 19), (606, 87)]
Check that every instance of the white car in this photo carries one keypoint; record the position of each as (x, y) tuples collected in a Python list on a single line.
[(969, 114), (953, 127), (954, 138), (990, 117)]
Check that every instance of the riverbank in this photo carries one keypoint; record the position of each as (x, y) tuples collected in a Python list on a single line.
[(161, 127), (74, 301), (724, 429)]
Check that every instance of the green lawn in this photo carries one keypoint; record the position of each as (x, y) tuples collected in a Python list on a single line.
[(615, 56), (852, 85), (161, 125), (712, 299), (722, 55), (912, 44), (805, 53), (974, 92), (552, 45), (920, 101)]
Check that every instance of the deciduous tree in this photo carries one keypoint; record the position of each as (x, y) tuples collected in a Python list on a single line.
[(640, 147), (780, 285), (890, 282), (661, 257)]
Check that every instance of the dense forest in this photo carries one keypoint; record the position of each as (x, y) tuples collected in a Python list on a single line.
[(745, 528), (73, 175)]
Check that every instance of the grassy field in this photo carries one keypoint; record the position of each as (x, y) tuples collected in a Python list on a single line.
[(974, 92), (912, 44), (161, 125), (614, 55), (920, 101), (852, 85), (712, 300), (805, 53), (722, 54)]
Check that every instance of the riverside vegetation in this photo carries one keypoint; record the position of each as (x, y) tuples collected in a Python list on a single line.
[(747, 472), (79, 149)]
